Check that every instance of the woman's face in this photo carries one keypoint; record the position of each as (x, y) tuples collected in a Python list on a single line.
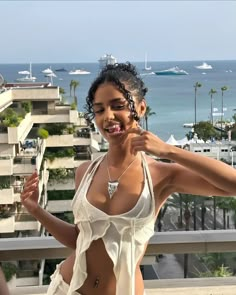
[(112, 112)]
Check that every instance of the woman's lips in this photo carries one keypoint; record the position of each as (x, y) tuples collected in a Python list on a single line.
[(114, 129)]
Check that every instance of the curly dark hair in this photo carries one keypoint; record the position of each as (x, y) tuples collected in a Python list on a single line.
[(126, 79)]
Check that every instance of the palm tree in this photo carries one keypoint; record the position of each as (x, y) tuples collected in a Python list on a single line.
[(224, 204), (223, 88), (62, 92), (73, 85), (161, 214), (188, 202), (233, 208), (147, 115), (211, 93), (196, 86)]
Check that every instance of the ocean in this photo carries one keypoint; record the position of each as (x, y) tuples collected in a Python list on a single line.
[(170, 97)]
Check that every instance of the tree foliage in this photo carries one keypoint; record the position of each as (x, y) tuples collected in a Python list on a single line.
[(148, 113), (204, 130)]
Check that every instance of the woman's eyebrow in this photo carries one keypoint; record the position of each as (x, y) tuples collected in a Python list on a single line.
[(120, 99)]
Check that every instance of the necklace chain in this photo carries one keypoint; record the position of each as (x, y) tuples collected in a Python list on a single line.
[(113, 185), (122, 172)]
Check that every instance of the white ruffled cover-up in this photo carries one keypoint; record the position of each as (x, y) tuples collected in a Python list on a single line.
[(124, 235)]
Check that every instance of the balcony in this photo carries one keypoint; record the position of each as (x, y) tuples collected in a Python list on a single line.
[(7, 196), (6, 165), (164, 242), (19, 133), (7, 224), (59, 116), (25, 221), (38, 94), (29, 159), (61, 184), (64, 162), (5, 100)]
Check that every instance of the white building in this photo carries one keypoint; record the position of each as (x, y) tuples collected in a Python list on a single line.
[(24, 110)]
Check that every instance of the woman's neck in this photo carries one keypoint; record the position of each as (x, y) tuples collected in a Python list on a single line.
[(119, 157)]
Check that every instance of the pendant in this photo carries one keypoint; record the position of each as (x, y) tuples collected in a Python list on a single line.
[(112, 187)]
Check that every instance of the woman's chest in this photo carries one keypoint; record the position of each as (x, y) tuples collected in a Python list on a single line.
[(124, 198)]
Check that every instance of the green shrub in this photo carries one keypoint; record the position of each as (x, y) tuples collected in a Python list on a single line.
[(27, 106), (73, 106), (4, 182), (9, 270), (60, 195), (43, 133)]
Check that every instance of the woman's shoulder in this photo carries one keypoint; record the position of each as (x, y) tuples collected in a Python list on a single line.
[(80, 172), (84, 168)]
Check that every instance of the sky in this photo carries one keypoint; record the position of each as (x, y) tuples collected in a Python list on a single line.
[(83, 31)]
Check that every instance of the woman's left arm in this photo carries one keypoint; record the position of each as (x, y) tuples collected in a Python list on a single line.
[(191, 173), (197, 174)]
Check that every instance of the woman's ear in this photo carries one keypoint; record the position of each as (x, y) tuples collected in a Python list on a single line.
[(142, 108)]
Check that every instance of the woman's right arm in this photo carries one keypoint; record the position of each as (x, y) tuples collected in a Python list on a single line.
[(62, 231)]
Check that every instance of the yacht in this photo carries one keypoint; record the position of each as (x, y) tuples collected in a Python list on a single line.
[(172, 72), (61, 70), (79, 72), (106, 59), (28, 76), (204, 66)]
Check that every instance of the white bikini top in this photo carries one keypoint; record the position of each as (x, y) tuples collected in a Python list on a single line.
[(124, 235)]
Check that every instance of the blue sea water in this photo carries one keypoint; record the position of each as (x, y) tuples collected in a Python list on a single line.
[(170, 97)]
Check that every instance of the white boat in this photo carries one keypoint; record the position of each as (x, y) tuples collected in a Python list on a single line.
[(146, 68), (188, 125), (171, 72), (204, 66), (28, 76), (47, 71), (50, 77), (106, 59), (24, 72), (79, 72)]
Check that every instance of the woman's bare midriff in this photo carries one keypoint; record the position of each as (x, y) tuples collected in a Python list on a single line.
[(101, 278)]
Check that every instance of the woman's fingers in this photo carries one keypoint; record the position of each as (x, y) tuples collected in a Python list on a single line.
[(31, 179), (30, 186)]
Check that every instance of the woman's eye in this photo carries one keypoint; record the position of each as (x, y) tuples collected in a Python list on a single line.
[(119, 107), (98, 111)]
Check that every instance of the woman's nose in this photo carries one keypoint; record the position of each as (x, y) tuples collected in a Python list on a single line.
[(109, 114)]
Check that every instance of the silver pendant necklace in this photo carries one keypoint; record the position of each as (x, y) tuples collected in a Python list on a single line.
[(112, 186)]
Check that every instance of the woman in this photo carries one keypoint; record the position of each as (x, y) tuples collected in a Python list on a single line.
[(119, 195)]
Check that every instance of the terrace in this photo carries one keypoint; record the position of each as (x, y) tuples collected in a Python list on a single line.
[(181, 242)]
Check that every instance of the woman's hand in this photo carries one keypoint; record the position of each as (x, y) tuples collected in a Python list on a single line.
[(30, 193), (148, 142)]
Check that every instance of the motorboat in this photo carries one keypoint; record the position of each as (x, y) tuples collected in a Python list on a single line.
[(61, 70), (106, 59), (28, 76), (79, 72), (204, 66), (47, 71), (171, 72)]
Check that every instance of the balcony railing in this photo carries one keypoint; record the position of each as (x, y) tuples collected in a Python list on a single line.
[(164, 242)]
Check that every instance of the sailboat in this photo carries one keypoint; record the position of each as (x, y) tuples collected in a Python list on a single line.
[(28, 76), (146, 68)]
